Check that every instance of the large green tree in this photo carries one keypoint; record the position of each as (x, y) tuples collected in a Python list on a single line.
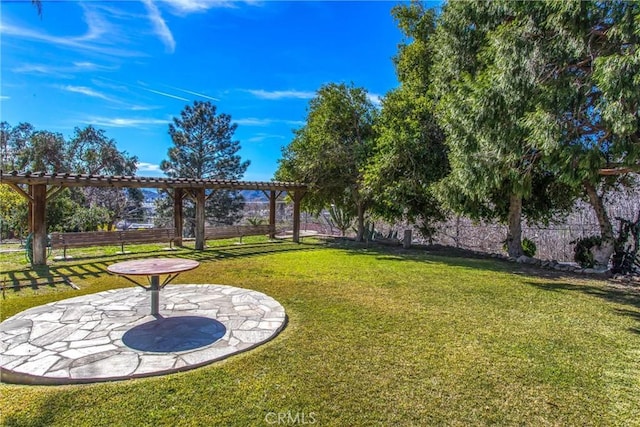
[(91, 151), (88, 151), (331, 151), (485, 88), (410, 151), (204, 148), (585, 57), (13, 143)]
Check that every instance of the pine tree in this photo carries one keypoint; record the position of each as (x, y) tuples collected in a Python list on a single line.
[(204, 148)]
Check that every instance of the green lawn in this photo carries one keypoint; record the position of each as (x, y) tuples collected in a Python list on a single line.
[(376, 336)]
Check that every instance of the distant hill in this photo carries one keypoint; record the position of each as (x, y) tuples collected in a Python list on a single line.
[(254, 196), (150, 194)]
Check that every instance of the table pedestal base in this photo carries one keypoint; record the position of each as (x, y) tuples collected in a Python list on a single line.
[(155, 295)]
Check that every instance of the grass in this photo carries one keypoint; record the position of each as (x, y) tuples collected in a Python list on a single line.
[(376, 336)]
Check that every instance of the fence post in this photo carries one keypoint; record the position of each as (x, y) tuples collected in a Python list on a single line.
[(406, 242)]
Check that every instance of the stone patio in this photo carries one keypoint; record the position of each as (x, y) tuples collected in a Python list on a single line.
[(111, 335)]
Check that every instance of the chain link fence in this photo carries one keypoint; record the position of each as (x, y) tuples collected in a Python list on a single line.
[(553, 242)]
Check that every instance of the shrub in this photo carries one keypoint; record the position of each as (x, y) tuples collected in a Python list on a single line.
[(582, 250), (529, 247), (255, 221)]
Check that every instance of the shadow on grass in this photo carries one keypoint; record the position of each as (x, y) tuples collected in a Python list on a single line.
[(82, 268), (453, 258), (615, 295)]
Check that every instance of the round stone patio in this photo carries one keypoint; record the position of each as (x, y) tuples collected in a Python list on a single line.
[(111, 335)]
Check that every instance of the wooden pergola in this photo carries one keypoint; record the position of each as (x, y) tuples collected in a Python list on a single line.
[(39, 187)]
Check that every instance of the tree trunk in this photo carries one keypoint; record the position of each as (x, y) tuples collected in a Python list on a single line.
[(514, 233), (360, 236), (601, 254)]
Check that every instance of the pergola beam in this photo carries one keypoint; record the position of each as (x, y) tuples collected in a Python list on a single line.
[(20, 191), (79, 180), (37, 196)]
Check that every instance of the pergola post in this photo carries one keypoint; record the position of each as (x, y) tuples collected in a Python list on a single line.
[(178, 195), (200, 200), (29, 196), (272, 214), (297, 198), (39, 224)]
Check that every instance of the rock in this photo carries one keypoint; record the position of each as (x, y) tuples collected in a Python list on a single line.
[(603, 272), (523, 259)]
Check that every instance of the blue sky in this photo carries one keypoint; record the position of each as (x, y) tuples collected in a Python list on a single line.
[(128, 67)]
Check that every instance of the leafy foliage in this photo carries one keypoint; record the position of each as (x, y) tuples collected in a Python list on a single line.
[(410, 152), (529, 247), (92, 152), (12, 206), (88, 151), (89, 219), (203, 145), (331, 152), (204, 148), (536, 87), (626, 256), (483, 91), (583, 251), (586, 60), (340, 218)]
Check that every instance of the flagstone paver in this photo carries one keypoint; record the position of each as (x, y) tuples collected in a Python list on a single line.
[(111, 335)]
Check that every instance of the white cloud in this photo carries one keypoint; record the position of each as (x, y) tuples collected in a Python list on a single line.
[(4, 98), (36, 69), (148, 167), (375, 99), (294, 122), (85, 65), (251, 121), (119, 122), (85, 91), (143, 107), (185, 7), (281, 94), (259, 137), (61, 71), (97, 26), (92, 40), (160, 26)]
